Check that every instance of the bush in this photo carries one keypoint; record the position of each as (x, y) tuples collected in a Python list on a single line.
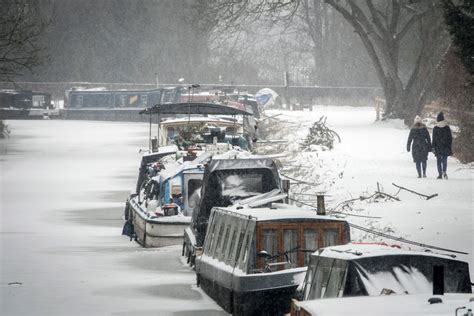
[(4, 131), (321, 135)]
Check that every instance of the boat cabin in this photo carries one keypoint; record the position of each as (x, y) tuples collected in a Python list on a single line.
[(255, 256), (371, 270), (198, 132), (180, 188), (148, 166), (162, 209), (226, 181)]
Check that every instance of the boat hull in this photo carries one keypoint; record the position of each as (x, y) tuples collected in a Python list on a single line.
[(155, 233), (249, 294), (259, 302)]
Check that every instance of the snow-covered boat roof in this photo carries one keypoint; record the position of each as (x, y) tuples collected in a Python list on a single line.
[(9, 91), (197, 119), (354, 251), (278, 211), (231, 108), (396, 305), (239, 154), (173, 170), (163, 150)]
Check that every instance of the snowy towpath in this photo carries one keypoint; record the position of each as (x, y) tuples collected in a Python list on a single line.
[(62, 192), (372, 152)]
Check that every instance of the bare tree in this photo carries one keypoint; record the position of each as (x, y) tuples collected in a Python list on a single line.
[(392, 32), (457, 94), (21, 26), (383, 28)]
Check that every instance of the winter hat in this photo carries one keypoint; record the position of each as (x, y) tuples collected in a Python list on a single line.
[(417, 119), (440, 117)]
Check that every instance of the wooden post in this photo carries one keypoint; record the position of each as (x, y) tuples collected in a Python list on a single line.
[(379, 103), (377, 110)]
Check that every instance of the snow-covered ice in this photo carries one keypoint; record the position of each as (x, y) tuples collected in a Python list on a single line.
[(63, 188)]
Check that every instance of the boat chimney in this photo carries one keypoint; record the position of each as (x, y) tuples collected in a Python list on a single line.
[(285, 187), (321, 210), (154, 145)]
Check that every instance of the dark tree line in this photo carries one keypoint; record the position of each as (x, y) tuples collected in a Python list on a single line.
[(460, 21), (458, 78), (124, 41), (20, 37), (142, 41)]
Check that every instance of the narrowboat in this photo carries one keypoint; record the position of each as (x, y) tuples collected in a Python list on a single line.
[(168, 186), (374, 270), (256, 253), (228, 178), (162, 209)]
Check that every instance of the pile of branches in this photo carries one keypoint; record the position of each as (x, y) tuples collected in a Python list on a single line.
[(4, 131), (321, 135)]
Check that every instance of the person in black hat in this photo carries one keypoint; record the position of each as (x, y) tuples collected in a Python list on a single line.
[(442, 142), (420, 137)]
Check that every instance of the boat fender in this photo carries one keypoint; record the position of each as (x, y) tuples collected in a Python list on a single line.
[(129, 230)]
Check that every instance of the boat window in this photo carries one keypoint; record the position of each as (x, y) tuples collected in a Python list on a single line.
[(244, 254), (309, 277), (217, 225), (240, 185), (310, 243), (168, 96), (270, 241), (239, 247), (170, 135), (232, 243), (123, 99), (290, 241), (320, 278), (194, 192), (211, 233), (336, 279), (143, 100), (80, 100), (330, 237), (223, 251), (219, 240)]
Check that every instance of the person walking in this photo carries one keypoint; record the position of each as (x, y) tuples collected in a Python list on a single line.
[(420, 143), (442, 142)]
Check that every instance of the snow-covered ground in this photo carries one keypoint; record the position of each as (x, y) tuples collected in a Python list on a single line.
[(372, 152), (63, 186)]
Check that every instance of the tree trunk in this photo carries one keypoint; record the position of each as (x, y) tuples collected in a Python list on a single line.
[(381, 33)]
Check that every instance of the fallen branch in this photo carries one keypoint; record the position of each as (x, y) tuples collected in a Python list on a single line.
[(270, 117), (388, 195), (300, 181), (417, 193), (333, 212)]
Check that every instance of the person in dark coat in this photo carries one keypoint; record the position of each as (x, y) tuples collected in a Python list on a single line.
[(420, 143), (442, 142)]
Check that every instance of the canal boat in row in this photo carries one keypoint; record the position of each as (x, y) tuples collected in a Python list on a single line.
[(170, 174), (256, 252), (227, 179), (336, 275), (162, 209)]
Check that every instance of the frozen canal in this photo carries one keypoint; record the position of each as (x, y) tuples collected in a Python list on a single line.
[(63, 187)]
